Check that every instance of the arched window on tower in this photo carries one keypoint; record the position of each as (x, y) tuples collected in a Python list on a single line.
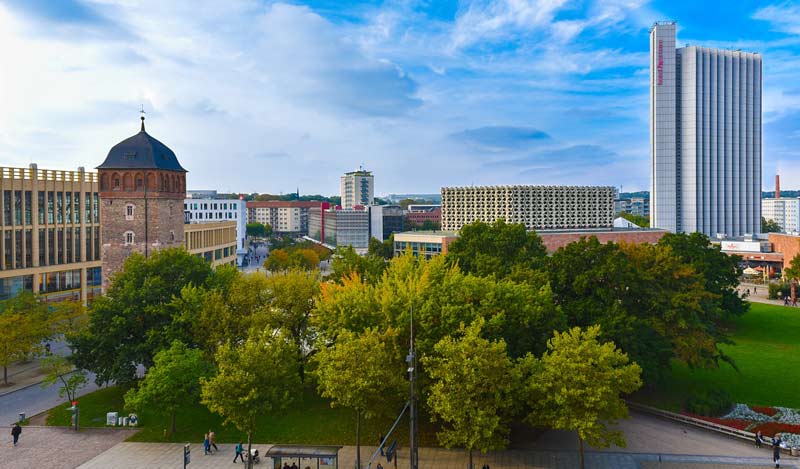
[(129, 238), (129, 208)]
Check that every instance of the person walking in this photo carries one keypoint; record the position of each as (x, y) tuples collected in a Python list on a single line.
[(206, 445), (211, 441), (380, 440), (15, 431), (776, 450), (239, 450), (758, 439)]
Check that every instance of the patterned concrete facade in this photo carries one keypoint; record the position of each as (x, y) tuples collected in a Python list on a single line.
[(536, 207)]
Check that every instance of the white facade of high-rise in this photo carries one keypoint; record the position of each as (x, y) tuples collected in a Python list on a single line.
[(208, 210), (784, 212), (705, 137), (358, 188)]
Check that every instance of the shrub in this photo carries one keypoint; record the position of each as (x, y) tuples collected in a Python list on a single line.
[(779, 290), (771, 411), (771, 428), (712, 402)]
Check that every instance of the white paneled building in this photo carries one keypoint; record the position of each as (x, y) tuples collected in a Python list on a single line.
[(207, 210), (536, 207), (705, 137), (784, 212)]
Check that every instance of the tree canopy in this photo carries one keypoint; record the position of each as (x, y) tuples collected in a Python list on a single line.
[(258, 230), (24, 323), (578, 385), (134, 320), (770, 226)]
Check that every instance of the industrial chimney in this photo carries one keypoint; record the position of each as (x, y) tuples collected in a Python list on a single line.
[(777, 186)]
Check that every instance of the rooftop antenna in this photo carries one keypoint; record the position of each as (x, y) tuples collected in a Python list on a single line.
[(142, 113)]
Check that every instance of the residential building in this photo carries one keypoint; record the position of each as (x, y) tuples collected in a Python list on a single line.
[(785, 212), (285, 217), (204, 210), (358, 188), (142, 189), (635, 206), (50, 241), (418, 218), (705, 137), (385, 220), (536, 207), (214, 241)]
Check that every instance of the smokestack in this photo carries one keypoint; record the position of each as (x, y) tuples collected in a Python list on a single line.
[(777, 186)]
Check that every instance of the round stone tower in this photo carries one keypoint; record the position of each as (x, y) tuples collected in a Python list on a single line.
[(142, 188)]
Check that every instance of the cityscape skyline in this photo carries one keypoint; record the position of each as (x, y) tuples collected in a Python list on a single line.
[(365, 86)]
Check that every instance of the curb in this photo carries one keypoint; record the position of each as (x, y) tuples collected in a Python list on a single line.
[(21, 388)]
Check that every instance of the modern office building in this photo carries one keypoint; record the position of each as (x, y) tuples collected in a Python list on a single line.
[(385, 220), (536, 207), (142, 189), (285, 217), (204, 210), (358, 188), (338, 227), (50, 243), (214, 241), (705, 137), (419, 217), (635, 206), (423, 243)]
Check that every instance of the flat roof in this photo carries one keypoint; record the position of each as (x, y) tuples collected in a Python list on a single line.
[(301, 451)]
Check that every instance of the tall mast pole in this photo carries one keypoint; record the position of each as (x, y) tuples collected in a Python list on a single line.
[(412, 373)]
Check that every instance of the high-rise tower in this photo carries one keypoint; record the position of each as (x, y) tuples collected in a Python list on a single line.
[(358, 188), (705, 137), (142, 188)]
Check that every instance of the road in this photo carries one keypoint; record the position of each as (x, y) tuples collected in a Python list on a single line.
[(33, 400)]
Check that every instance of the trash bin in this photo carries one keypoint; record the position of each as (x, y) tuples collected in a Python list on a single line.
[(111, 419), (795, 451), (21, 417)]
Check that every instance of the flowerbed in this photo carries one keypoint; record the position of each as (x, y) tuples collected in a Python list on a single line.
[(770, 421)]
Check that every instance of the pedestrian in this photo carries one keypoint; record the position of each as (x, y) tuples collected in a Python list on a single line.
[(758, 439), (239, 450), (785, 301), (211, 441), (776, 450), (748, 292), (15, 431), (380, 440), (485, 466), (755, 290), (379, 466), (206, 445)]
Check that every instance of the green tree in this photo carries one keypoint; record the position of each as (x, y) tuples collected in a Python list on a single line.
[(429, 225), (258, 230), (24, 324), (277, 260), (134, 320), (383, 249), (171, 382), (770, 226), (346, 261), (577, 385), (499, 249), (362, 372), (638, 220), (255, 379), (473, 390), (59, 369)]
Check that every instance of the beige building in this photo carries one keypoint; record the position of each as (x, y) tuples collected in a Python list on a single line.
[(285, 217), (536, 207), (213, 241), (357, 188), (51, 233)]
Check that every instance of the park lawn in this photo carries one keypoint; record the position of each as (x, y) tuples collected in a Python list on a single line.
[(311, 420), (766, 350)]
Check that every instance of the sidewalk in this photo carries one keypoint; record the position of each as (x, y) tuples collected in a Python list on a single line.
[(21, 375)]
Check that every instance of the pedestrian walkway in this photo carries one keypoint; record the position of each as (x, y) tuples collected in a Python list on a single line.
[(169, 455), (28, 373), (57, 447)]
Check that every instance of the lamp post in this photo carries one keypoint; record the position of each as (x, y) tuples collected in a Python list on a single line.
[(412, 374)]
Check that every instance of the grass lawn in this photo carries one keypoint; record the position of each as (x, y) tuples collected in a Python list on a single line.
[(767, 352), (310, 420)]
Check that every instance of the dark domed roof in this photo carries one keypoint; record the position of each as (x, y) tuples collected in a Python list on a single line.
[(141, 152)]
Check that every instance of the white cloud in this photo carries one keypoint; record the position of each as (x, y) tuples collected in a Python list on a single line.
[(784, 16)]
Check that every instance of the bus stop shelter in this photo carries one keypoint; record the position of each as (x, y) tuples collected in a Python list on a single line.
[(324, 457)]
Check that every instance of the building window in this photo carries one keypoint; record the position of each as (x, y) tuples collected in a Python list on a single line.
[(128, 238), (129, 212), (172, 236)]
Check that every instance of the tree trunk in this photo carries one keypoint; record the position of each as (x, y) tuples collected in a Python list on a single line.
[(249, 455), (358, 439), (5, 375), (470, 459), (172, 423), (580, 446)]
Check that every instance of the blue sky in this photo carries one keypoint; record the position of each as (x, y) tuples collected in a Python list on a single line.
[(270, 96)]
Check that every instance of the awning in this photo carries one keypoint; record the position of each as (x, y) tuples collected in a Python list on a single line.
[(300, 451)]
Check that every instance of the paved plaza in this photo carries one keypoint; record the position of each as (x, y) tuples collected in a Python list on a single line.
[(652, 444)]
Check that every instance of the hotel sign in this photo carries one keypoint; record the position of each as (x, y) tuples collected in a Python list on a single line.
[(660, 66)]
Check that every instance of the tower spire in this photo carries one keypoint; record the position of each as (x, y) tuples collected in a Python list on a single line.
[(142, 113)]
